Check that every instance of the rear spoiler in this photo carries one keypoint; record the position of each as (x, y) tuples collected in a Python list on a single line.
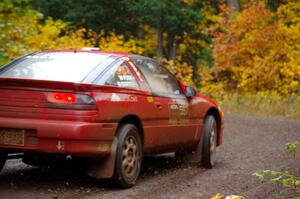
[(46, 85), (31, 84)]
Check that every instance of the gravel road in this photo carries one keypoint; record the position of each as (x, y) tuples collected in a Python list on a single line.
[(250, 143)]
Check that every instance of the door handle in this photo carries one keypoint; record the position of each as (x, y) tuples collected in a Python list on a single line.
[(158, 105)]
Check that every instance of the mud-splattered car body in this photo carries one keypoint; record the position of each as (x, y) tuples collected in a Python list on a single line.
[(82, 117)]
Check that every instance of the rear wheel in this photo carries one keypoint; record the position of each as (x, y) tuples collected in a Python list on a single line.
[(128, 157), (209, 142), (3, 157)]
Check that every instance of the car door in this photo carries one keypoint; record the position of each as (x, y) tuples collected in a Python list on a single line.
[(172, 107)]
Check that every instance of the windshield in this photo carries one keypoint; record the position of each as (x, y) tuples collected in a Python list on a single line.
[(56, 66)]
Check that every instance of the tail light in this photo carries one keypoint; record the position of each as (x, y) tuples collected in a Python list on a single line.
[(71, 101)]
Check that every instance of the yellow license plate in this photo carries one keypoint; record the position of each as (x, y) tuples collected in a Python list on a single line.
[(12, 137)]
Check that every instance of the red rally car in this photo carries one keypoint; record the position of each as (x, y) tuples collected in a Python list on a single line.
[(111, 108)]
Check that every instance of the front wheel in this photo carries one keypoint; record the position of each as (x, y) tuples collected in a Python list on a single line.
[(3, 157), (209, 142), (128, 156)]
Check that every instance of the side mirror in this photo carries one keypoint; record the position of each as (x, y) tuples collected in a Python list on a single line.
[(190, 92)]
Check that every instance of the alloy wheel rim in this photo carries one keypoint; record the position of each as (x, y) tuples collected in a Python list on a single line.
[(130, 156)]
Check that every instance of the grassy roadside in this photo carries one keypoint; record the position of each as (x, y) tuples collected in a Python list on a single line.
[(288, 184), (262, 105)]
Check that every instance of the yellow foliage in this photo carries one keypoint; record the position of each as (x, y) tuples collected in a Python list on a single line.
[(258, 50), (220, 196), (22, 32), (209, 86), (181, 70), (117, 43), (48, 36), (149, 40)]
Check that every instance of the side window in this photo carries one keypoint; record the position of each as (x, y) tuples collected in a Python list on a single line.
[(160, 80), (119, 75)]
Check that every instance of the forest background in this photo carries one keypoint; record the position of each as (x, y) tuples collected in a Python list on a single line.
[(244, 54)]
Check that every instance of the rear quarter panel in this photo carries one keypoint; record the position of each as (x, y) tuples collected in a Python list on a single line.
[(116, 103)]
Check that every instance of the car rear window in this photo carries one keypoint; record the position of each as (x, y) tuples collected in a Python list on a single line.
[(56, 66)]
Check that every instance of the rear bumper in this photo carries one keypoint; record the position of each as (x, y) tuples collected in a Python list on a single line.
[(66, 137)]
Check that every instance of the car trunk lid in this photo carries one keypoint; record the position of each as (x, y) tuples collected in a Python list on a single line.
[(37, 99)]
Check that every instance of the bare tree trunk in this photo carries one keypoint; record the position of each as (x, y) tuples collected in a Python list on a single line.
[(172, 46), (234, 5), (141, 33), (159, 51)]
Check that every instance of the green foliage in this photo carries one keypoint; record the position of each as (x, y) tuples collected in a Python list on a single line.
[(91, 14), (23, 32), (273, 4), (175, 18), (292, 147), (254, 52), (175, 22), (288, 182), (251, 59), (171, 15), (16, 25)]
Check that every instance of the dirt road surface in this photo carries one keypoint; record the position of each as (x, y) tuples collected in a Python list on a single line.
[(250, 143)]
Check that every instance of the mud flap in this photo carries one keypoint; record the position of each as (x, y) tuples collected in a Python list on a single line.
[(195, 156), (104, 168)]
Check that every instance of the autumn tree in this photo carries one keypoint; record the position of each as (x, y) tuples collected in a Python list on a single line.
[(23, 32), (258, 50)]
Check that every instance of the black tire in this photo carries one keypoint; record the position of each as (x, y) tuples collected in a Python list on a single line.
[(128, 156), (209, 142), (3, 157)]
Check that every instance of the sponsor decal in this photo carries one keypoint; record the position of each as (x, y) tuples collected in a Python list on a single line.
[(60, 146), (103, 147), (132, 98), (127, 98), (178, 113), (126, 77), (115, 98), (150, 99)]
